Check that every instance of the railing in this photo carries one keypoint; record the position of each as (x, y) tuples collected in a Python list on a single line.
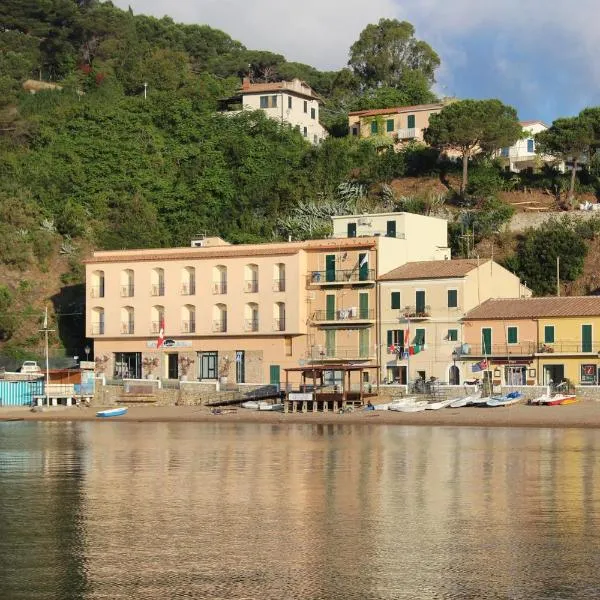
[(157, 289), (127, 327), (251, 325), (97, 291), (568, 347), (97, 328), (279, 325), (155, 327), (345, 314), (219, 287), (279, 285), (522, 349), (127, 291), (341, 276), (219, 326), (188, 289), (339, 353), (417, 312), (405, 134), (251, 286), (188, 326)]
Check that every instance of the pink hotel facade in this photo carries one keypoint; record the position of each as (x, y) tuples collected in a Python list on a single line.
[(246, 312)]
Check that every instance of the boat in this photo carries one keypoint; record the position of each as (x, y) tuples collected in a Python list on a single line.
[(479, 401), (439, 404), (410, 406), (506, 400), (251, 404), (112, 412), (557, 400), (464, 401), (269, 406), (395, 402)]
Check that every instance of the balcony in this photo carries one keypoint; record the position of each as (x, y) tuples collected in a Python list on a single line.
[(279, 285), (279, 325), (127, 327), (219, 326), (342, 276), (343, 316), (155, 327), (407, 134), (188, 326), (188, 289), (568, 348), (97, 328), (469, 351), (417, 313), (97, 291), (339, 353), (251, 325), (126, 291), (251, 286), (219, 287), (157, 289)]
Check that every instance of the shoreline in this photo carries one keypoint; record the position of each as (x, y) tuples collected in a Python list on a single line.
[(584, 414)]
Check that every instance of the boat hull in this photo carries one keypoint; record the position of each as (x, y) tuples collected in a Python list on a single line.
[(112, 412)]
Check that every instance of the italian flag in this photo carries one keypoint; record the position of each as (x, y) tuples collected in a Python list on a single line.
[(161, 334)]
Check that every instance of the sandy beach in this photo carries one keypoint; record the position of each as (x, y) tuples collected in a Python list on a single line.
[(585, 414)]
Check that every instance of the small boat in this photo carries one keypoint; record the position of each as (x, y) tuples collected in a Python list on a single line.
[(464, 401), (479, 401), (506, 400), (251, 404), (557, 400), (112, 412), (269, 406), (440, 404), (410, 406)]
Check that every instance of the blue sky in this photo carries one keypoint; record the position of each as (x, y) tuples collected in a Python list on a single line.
[(540, 56)]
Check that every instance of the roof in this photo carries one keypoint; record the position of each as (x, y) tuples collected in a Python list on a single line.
[(433, 269), (531, 308), (535, 122), (296, 86), (398, 109)]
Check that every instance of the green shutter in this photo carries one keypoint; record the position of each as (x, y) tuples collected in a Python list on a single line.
[(363, 343), (351, 229), (586, 338), (373, 127), (420, 337), (452, 335), (549, 334), (330, 307), (395, 300), (363, 267), (274, 374), (330, 267), (390, 337), (512, 335), (410, 120), (420, 302), (330, 343), (391, 229), (486, 340), (363, 305), (389, 125), (452, 298)]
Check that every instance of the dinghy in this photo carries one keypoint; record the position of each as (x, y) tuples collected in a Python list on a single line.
[(557, 400), (506, 400), (112, 412), (251, 404), (410, 406), (440, 404), (269, 406)]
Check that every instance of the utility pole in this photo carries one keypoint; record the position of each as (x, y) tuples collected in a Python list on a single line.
[(46, 331)]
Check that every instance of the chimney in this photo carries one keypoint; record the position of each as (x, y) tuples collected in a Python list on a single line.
[(246, 83)]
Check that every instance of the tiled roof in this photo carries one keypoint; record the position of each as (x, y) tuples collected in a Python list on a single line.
[(296, 86), (524, 308), (397, 109), (432, 269)]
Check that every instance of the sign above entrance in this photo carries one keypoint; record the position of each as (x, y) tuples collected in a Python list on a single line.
[(170, 343)]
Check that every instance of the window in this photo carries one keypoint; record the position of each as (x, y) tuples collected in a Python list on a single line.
[(512, 335), (486, 340), (351, 230), (504, 152), (452, 298), (391, 229), (313, 113), (273, 101), (289, 102), (305, 106), (395, 300), (268, 101), (410, 121), (97, 288), (315, 139), (330, 307), (373, 127), (586, 338), (389, 125), (305, 132), (452, 335), (530, 146), (395, 337), (420, 302), (420, 337), (549, 334)]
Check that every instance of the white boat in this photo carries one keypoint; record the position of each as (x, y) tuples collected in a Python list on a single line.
[(410, 406), (440, 404), (506, 400), (112, 412), (268, 406), (464, 401), (251, 404), (480, 401)]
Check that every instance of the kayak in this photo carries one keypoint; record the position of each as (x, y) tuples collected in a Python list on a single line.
[(112, 412)]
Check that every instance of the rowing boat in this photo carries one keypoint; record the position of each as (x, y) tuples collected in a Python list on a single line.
[(112, 412)]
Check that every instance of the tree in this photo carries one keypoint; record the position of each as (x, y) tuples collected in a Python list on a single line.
[(472, 126), (386, 53), (568, 139)]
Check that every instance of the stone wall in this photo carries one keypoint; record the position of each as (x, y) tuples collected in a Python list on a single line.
[(522, 221)]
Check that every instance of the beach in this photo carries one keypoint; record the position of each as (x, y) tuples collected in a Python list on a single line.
[(585, 414)]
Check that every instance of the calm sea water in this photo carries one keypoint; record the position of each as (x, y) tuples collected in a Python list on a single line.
[(216, 510)]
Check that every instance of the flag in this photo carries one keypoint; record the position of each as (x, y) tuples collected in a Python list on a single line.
[(482, 365), (161, 333), (407, 337), (364, 262)]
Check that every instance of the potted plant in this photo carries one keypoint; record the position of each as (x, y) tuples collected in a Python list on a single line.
[(224, 369), (149, 363), (185, 362)]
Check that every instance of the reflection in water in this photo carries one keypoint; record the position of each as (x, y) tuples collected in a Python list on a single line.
[(220, 510)]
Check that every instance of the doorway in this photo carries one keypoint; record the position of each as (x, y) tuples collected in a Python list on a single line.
[(208, 365), (240, 366), (553, 374), (454, 375), (173, 366)]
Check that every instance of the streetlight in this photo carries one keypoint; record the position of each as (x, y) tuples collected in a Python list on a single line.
[(87, 352)]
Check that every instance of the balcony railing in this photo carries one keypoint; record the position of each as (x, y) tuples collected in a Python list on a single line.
[(157, 289), (97, 328), (279, 285), (345, 314), (279, 325), (155, 327), (466, 351), (127, 291), (251, 325), (341, 276), (416, 312), (568, 348), (339, 353), (127, 327), (407, 133), (219, 326), (251, 286), (188, 289), (188, 326), (97, 291), (219, 287)]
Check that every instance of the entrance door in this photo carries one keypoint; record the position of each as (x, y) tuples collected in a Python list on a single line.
[(553, 374), (208, 365), (330, 267), (274, 375), (240, 366), (454, 375), (173, 366)]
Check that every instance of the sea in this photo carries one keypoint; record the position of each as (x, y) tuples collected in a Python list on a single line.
[(126, 510)]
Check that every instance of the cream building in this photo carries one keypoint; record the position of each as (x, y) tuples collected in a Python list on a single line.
[(522, 154), (292, 102), (422, 304)]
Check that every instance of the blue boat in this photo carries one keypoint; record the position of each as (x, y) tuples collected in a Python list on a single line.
[(506, 400), (112, 412)]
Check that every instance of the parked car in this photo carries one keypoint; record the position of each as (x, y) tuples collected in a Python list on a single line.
[(30, 366)]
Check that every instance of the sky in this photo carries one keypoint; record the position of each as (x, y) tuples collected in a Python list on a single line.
[(539, 56)]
